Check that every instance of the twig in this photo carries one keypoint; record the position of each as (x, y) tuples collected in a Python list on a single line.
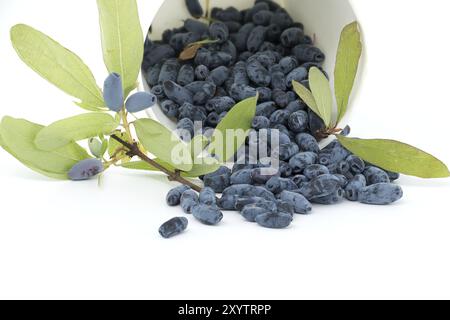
[(173, 176)]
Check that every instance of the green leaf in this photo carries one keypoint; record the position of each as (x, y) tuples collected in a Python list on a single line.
[(197, 169), (18, 139), (122, 39), (306, 96), (163, 143), (198, 145), (237, 123), (347, 60), (320, 88), (58, 65), (396, 157), (76, 128)]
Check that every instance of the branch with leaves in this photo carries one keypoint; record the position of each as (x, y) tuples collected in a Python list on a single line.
[(390, 155), (113, 139)]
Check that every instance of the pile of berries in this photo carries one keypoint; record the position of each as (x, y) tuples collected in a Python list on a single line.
[(258, 50)]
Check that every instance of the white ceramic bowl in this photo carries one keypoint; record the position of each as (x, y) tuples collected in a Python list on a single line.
[(322, 18)]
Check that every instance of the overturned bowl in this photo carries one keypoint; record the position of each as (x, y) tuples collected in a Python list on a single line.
[(323, 19)]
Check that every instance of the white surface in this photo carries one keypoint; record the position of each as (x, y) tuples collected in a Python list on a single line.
[(74, 240)]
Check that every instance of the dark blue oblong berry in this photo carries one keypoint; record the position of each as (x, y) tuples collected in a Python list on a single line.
[(299, 202), (113, 92), (177, 93), (194, 7), (85, 170), (201, 72), (375, 175), (219, 31), (251, 211), (298, 121), (140, 101), (333, 198), (174, 196), (186, 75), (188, 200), (300, 161), (292, 37), (354, 187), (208, 215), (380, 194), (307, 53), (173, 227), (256, 38), (207, 196), (274, 220), (315, 170), (262, 18)]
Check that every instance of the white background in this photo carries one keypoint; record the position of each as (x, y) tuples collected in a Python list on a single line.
[(75, 240)]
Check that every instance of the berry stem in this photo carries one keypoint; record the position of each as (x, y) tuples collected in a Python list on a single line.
[(173, 176)]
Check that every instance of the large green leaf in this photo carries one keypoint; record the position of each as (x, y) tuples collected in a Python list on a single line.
[(306, 96), (232, 131), (58, 65), (18, 139), (122, 39), (76, 128), (397, 157), (197, 169), (320, 88), (164, 144), (347, 60)]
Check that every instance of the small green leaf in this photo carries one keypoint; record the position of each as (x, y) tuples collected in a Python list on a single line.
[(163, 143), (197, 169), (18, 139), (75, 128), (347, 60), (396, 157), (236, 124), (58, 65), (320, 88), (122, 39), (306, 96)]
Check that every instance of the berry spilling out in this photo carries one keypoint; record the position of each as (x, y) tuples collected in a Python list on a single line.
[(260, 50)]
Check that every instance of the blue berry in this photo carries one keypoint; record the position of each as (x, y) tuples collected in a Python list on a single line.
[(256, 38), (174, 196), (307, 142), (258, 73), (282, 19), (242, 177), (194, 7), (173, 227), (356, 164), (265, 109), (298, 74), (219, 31), (298, 121), (307, 53), (188, 200), (240, 41), (288, 64), (287, 151), (354, 187), (279, 117), (273, 33), (300, 204), (265, 94), (262, 18), (85, 170), (299, 179), (228, 14), (152, 75), (113, 92), (274, 220), (186, 75), (277, 185), (250, 212), (195, 26), (333, 198), (380, 194), (201, 72), (315, 170), (320, 186), (241, 92), (158, 91), (169, 71), (185, 129), (375, 175), (219, 75), (207, 196), (212, 59), (260, 122), (177, 93), (257, 201), (170, 108), (300, 161), (157, 53), (140, 101), (207, 214), (219, 180), (278, 81), (292, 37)]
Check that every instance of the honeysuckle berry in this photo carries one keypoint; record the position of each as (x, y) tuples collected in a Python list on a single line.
[(113, 92), (86, 169), (173, 227), (140, 101)]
